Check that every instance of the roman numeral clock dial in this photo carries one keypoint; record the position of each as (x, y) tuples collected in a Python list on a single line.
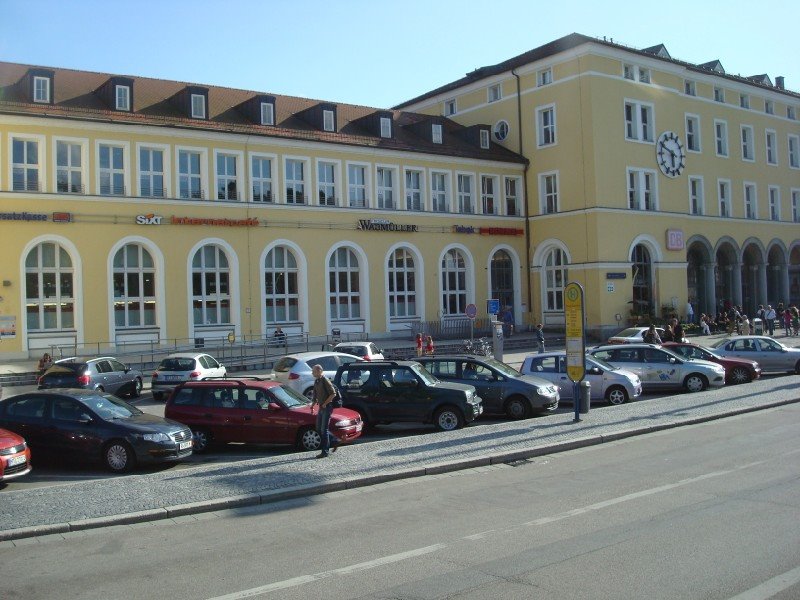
[(670, 154)]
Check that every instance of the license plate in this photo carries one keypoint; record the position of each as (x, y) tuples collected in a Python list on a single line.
[(16, 460), (173, 377), (184, 445)]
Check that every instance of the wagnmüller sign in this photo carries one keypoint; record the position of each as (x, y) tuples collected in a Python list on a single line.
[(382, 225)]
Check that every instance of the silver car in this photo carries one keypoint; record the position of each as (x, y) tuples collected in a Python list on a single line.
[(659, 369), (183, 366), (608, 382), (769, 353), (295, 369)]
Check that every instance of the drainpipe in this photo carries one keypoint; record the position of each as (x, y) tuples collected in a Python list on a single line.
[(525, 205)]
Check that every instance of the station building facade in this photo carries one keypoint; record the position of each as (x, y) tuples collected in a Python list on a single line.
[(141, 211), (650, 181)]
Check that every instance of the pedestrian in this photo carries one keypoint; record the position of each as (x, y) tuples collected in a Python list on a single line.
[(795, 319), (677, 331), (745, 325), (540, 337), (651, 336), (429, 348), (668, 335), (279, 336), (508, 322), (45, 363), (689, 311), (779, 310), (419, 344), (324, 393), (787, 322), (769, 314), (704, 327)]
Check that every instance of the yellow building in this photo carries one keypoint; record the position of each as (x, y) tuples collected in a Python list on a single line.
[(651, 181), (142, 211)]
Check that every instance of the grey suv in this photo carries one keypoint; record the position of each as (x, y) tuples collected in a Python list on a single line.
[(502, 388), (390, 391)]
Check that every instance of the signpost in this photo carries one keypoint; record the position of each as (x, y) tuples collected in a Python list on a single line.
[(576, 345), (471, 312)]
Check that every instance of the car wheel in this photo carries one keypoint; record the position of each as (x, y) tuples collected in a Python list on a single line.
[(517, 408), (309, 393), (309, 439), (119, 456), (695, 383), (201, 440), (136, 390), (616, 395), (448, 419), (740, 375)]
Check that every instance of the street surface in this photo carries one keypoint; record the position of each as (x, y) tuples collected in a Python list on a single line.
[(704, 511)]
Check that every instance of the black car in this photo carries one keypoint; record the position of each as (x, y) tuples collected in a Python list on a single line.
[(89, 425), (103, 374), (392, 391)]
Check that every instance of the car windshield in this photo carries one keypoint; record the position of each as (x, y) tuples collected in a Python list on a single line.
[(288, 397), (629, 332), (599, 362), (176, 364), (109, 407), (502, 367), (424, 374), (67, 367)]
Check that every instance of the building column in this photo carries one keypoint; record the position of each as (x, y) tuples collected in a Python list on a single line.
[(761, 284), (783, 284), (711, 290), (736, 284)]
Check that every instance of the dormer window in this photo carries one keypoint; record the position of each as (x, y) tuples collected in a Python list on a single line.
[(386, 127), (328, 120), (198, 106), (485, 139), (436, 133), (267, 113), (122, 95), (41, 89)]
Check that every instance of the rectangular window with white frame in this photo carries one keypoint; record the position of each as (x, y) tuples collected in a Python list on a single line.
[(357, 185), (744, 101), (485, 141), (546, 125), (414, 182), (436, 133), (724, 197), (326, 182), (719, 94), (772, 147), (41, 90), (449, 107), (636, 73), (111, 160), (689, 88), (385, 178), (228, 173), (70, 165), (192, 168), (267, 113), (748, 153), (791, 113), (328, 120), (440, 191), (629, 71), (696, 196), (262, 177), (794, 151), (544, 77), (198, 106), (750, 200), (122, 96), (769, 107), (294, 178), (386, 127), (721, 137), (465, 193), (774, 203), (796, 206), (642, 193), (693, 133), (27, 163), (494, 93), (153, 170), (639, 124), (548, 193), (513, 185), (489, 194)]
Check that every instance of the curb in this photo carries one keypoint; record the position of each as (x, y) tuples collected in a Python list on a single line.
[(305, 491)]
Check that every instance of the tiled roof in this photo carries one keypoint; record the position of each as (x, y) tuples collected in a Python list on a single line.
[(77, 95)]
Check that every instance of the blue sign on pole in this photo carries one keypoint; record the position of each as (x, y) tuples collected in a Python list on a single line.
[(493, 306)]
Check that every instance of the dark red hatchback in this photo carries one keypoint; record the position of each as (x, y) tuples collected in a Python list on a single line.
[(737, 370), (255, 411)]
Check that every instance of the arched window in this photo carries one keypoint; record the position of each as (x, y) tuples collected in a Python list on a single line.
[(211, 295), (402, 284), (454, 283), (502, 277), (343, 279), (642, 275), (555, 276), (49, 294), (280, 286), (134, 278)]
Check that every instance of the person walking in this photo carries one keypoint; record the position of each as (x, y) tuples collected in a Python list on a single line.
[(540, 338), (419, 344), (787, 322), (704, 327), (769, 315), (689, 312), (324, 393), (429, 348), (745, 325)]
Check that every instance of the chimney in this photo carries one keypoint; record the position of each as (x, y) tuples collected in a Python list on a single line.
[(779, 82)]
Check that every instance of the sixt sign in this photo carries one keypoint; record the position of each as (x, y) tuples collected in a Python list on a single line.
[(151, 219)]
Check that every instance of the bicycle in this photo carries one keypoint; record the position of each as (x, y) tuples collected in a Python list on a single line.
[(479, 347)]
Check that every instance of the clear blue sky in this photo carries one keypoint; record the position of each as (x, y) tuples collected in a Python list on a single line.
[(377, 52)]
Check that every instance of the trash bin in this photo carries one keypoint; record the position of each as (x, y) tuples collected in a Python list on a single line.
[(585, 397), (758, 326)]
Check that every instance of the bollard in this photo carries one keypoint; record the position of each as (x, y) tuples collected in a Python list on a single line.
[(585, 396)]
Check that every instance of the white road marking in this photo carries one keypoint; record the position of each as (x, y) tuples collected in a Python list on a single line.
[(771, 587)]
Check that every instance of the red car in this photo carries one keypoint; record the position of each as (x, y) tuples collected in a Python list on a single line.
[(737, 370), (253, 410), (15, 456)]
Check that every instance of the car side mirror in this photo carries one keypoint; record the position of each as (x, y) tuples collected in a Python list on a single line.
[(672, 360)]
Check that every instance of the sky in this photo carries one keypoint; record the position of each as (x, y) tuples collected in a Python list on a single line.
[(377, 53)]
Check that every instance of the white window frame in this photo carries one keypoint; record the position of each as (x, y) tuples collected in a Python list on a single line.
[(305, 182), (774, 195), (514, 199), (793, 149), (465, 199), (420, 191), (744, 101), (546, 133), (638, 183), (748, 148), (124, 303), (198, 106), (492, 197), (83, 169), (721, 138), (257, 179), (290, 277), (125, 170), (166, 157), (719, 94), (689, 87), (436, 133), (635, 128), (795, 193), (122, 97), (382, 190), (440, 190), (628, 71), (450, 107), (549, 201), (457, 295), (633, 72), (38, 89), (644, 75), (724, 199), (750, 199), (40, 163), (352, 299), (485, 139), (694, 134), (500, 130), (769, 107), (386, 127), (202, 177), (358, 195), (552, 275), (544, 77), (407, 293), (217, 300), (238, 177), (328, 120), (697, 200), (267, 113), (323, 185), (65, 305), (791, 113), (494, 93), (771, 146)]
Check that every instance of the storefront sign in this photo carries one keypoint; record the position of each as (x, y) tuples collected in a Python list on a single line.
[(616, 275), (22, 216), (488, 230), (675, 239), (62, 217), (383, 225), (252, 222), (8, 326), (150, 219)]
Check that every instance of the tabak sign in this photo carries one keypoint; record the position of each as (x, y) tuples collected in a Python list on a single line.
[(153, 219)]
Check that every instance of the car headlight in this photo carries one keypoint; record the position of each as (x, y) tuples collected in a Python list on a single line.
[(343, 423), (156, 437)]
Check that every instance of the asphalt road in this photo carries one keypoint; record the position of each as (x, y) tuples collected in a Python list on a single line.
[(706, 511)]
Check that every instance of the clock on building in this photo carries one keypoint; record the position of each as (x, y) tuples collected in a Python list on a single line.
[(670, 154)]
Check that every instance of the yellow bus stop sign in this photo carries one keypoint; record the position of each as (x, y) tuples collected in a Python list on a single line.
[(574, 318)]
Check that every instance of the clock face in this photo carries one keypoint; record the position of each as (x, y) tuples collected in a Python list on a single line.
[(670, 154)]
